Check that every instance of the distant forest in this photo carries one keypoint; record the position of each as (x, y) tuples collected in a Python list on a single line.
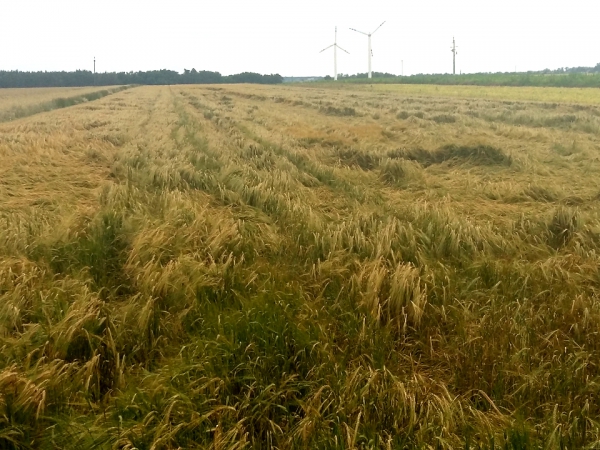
[(559, 71), (563, 77), (18, 79)]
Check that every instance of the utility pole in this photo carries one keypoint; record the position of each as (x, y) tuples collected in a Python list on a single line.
[(454, 52)]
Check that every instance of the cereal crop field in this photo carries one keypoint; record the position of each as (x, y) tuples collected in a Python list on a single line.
[(301, 266), (17, 97), (17, 103)]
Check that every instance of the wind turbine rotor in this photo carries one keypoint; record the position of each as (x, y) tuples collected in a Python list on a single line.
[(335, 47), (378, 27), (361, 32), (370, 52)]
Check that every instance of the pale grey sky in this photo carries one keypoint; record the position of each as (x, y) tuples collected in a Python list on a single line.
[(270, 36)]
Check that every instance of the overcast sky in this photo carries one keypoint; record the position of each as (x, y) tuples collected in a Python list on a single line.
[(285, 37)]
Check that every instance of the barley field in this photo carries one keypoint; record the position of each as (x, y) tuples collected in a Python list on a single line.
[(18, 97), (282, 267), (17, 103)]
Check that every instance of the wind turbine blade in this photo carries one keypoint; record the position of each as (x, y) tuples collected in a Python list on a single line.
[(342, 49), (326, 48), (378, 27), (359, 31)]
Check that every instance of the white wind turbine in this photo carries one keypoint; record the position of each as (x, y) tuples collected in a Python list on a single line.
[(335, 47), (369, 36)]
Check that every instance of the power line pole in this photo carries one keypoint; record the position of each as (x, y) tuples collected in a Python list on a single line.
[(454, 52)]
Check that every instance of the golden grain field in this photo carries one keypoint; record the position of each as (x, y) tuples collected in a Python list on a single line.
[(23, 102), (584, 96), (301, 266), (22, 97)]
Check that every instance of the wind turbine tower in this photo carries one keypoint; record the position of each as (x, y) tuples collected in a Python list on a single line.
[(370, 51), (335, 47), (454, 52)]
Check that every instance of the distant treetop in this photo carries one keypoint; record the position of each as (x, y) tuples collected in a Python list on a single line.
[(9, 79)]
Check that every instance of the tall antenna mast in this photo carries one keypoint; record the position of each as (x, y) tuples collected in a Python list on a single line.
[(335, 47), (454, 52), (370, 52)]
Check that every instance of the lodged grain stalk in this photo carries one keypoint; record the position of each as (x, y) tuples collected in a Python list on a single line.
[(562, 226), (393, 295)]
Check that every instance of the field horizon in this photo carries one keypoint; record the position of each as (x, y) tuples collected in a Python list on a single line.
[(300, 266)]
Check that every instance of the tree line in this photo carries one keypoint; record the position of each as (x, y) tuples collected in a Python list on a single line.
[(566, 79), (18, 79), (562, 77)]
